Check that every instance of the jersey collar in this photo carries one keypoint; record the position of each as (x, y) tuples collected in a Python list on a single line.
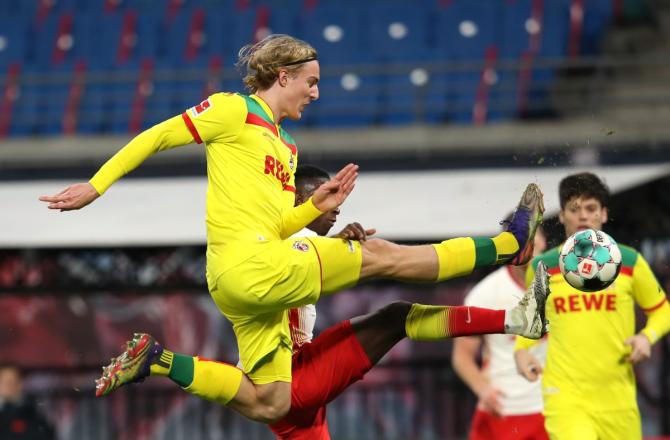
[(265, 107)]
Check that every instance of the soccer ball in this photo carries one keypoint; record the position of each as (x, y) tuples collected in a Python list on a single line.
[(590, 260)]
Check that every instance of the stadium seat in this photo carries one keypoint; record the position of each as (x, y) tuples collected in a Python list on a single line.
[(337, 34), (598, 15), (464, 32), (371, 53), (13, 35)]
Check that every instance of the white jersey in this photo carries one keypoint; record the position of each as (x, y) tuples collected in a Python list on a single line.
[(499, 290), (301, 320)]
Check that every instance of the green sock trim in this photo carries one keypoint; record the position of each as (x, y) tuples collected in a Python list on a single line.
[(485, 252), (182, 370)]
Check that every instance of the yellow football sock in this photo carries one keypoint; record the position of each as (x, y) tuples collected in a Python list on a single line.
[(427, 323), (460, 256), (215, 381), (505, 244), (431, 323)]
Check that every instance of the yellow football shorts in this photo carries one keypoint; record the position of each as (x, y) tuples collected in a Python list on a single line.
[(578, 424), (255, 295)]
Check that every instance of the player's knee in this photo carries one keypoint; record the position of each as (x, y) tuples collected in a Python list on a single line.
[(396, 313), (271, 406), (270, 413)]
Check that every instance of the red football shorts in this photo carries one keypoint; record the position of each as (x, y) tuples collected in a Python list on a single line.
[(486, 426), (322, 370)]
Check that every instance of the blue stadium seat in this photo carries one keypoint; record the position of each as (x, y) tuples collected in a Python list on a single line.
[(399, 36), (598, 15), (352, 38), (25, 113), (464, 32), (346, 99), (337, 34), (398, 33), (553, 27), (13, 35), (95, 108), (41, 103)]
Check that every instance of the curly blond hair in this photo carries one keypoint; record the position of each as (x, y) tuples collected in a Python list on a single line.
[(263, 60)]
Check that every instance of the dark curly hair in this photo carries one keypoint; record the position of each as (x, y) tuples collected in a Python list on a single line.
[(583, 185)]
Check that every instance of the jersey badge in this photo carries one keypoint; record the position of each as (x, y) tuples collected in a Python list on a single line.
[(300, 246), (201, 108)]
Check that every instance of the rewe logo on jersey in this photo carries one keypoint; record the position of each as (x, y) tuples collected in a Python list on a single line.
[(585, 302), (276, 168)]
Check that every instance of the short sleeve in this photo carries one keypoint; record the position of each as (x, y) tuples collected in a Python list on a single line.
[(220, 117)]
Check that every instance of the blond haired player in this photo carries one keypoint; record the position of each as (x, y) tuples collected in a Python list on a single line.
[(255, 272), (588, 383)]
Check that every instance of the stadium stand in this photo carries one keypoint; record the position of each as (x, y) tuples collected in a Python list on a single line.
[(439, 62)]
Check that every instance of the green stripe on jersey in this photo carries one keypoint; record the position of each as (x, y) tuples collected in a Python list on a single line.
[(628, 256), (255, 108), (550, 258), (287, 137)]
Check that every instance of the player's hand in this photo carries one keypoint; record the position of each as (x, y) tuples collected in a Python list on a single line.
[(489, 400), (527, 365), (354, 231), (73, 197), (333, 193), (640, 348)]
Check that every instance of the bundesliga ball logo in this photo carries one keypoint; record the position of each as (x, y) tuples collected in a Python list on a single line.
[(590, 260)]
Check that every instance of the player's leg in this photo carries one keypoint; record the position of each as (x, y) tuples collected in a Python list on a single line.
[(378, 332), (571, 425), (303, 425), (343, 353), (483, 426), (211, 380), (620, 424), (519, 427), (322, 370), (459, 256)]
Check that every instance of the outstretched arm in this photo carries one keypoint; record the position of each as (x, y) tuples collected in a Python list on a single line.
[(168, 134)]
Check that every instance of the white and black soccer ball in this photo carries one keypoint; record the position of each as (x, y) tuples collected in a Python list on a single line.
[(590, 260)]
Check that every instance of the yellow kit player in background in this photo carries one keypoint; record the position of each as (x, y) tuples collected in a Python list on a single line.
[(254, 270), (588, 383)]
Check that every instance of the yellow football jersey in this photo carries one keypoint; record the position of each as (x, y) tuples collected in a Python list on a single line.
[(250, 166), (586, 354)]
